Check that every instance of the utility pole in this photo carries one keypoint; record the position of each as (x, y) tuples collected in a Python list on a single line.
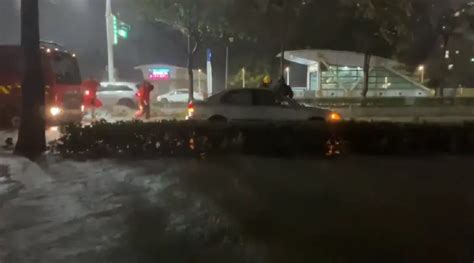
[(109, 20), (231, 40), (226, 66), (422, 72)]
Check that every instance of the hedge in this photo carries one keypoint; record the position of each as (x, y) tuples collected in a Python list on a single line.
[(196, 139)]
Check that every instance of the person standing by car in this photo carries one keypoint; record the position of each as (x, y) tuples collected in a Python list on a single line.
[(266, 82), (90, 87), (143, 97), (283, 89)]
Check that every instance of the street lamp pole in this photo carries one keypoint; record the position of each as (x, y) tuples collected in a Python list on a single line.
[(109, 20), (287, 69), (243, 77), (231, 39), (226, 66), (422, 72)]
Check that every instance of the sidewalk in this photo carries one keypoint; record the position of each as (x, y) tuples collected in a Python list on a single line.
[(8, 187)]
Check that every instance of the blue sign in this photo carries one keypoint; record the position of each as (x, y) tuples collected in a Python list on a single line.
[(209, 55)]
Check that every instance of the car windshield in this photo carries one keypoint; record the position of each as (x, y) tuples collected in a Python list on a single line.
[(65, 69), (260, 131)]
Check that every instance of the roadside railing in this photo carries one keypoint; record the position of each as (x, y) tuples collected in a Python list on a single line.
[(388, 102)]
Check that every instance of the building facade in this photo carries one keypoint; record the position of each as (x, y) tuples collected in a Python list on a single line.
[(340, 74), (167, 78)]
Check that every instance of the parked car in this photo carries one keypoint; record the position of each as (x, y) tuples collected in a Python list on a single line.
[(179, 95), (118, 93), (256, 105)]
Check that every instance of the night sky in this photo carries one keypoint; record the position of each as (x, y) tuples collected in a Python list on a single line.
[(80, 26)]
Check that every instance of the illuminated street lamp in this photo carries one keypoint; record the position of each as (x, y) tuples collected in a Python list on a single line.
[(287, 70), (421, 69)]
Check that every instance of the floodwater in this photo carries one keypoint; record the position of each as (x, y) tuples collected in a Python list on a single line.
[(241, 209)]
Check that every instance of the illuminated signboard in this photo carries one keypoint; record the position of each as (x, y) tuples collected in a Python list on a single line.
[(159, 74)]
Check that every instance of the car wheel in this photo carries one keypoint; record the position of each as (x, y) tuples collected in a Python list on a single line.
[(15, 121), (127, 103), (164, 101), (11, 118), (218, 119), (316, 119)]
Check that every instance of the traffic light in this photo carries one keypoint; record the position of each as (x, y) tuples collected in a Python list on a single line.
[(121, 30)]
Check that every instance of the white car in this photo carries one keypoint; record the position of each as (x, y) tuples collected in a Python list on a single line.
[(256, 105), (118, 93), (179, 95)]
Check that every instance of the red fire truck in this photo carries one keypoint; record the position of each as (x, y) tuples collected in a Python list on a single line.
[(62, 80)]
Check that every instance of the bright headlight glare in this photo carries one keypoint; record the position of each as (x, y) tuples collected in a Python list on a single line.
[(55, 111)]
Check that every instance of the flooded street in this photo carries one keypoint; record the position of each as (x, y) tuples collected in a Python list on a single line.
[(93, 212), (239, 209)]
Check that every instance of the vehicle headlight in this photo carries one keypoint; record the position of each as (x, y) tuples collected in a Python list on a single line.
[(55, 111), (335, 117)]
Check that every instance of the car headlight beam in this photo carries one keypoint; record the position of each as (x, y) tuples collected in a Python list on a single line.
[(55, 111)]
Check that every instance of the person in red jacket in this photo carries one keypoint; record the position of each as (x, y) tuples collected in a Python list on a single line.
[(143, 97), (90, 101)]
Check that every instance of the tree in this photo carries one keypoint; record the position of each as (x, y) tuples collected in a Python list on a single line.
[(31, 137), (195, 19), (451, 24), (378, 25), (276, 17)]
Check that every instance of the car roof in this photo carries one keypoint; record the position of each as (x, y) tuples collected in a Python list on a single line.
[(186, 90), (217, 96), (241, 89), (119, 83)]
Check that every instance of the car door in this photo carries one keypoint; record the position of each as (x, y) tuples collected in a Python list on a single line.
[(118, 92), (236, 105), (106, 95), (274, 108), (182, 96), (130, 92), (172, 96), (124, 93)]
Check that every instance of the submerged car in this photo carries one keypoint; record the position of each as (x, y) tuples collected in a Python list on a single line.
[(118, 94), (256, 105)]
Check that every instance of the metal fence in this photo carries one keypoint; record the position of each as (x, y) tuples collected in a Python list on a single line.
[(388, 102)]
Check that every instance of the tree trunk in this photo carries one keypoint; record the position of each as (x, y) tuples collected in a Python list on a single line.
[(190, 70), (284, 30), (282, 60), (365, 89), (31, 136), (444, 67)]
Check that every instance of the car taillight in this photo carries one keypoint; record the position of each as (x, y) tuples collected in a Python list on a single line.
[(335, 117), (190, 109), (87, 92)]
